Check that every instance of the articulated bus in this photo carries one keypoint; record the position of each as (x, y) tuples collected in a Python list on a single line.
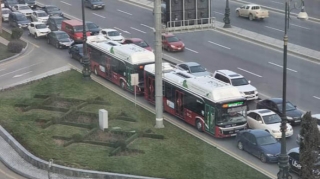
[(210, 105), (116, 62)]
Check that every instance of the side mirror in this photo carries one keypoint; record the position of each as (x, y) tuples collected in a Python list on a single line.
[(249, 81), (260, 122), (120, 33)]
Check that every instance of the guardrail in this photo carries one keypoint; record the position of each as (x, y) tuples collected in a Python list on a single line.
[(190, 25)]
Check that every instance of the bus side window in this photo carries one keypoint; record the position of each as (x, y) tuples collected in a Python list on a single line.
[(168, 91)]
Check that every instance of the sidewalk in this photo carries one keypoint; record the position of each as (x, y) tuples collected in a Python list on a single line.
[(4, 41)]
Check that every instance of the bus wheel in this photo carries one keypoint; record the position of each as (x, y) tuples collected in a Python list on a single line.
[(123, 86), (199, 125), (95, 71)]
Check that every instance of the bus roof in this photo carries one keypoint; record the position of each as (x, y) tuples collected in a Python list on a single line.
[(130, 53), (205, 86)]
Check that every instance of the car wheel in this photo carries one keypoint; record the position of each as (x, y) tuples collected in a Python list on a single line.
[(57, 45), (95, 71), (240, 145), (91, 7), (238, 13), (263, 158), (123, 85), (199, 125), (35, 35), (250, 17)]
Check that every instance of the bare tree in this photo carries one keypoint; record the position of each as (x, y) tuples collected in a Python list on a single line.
[(309, 146)]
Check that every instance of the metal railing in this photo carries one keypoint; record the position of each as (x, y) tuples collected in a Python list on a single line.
[(190, 25)]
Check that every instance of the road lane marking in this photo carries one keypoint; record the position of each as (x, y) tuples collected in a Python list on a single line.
[(2, 69), (122, 30), (17, 76), (21, 69), (152, 28), (138, 30), (316, 97), (98, 15), (282, 67), (218, 12), (191, 50), (219, 45), (178, 60), (124, 12), (300, 26), (250, 72), (277, 2), (66, 3), (274, 28)]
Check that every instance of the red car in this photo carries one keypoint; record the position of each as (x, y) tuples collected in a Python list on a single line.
[(172, 43), (138, 42)]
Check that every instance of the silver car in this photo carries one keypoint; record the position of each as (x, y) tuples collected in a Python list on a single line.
[(193, 68), (5, 14)]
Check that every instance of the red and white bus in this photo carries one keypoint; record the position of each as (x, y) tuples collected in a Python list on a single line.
[(116, 62), (208, 104)]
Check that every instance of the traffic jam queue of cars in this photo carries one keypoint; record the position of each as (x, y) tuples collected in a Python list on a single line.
[(190, 90)]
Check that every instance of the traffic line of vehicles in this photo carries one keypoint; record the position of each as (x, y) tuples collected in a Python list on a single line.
[(214, 103)]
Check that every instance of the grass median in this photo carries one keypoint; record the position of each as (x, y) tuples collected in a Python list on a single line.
[(56, 118)]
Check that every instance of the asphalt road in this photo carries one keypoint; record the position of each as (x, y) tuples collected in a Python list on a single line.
[(5, 173), (311, 6), (231, 54)]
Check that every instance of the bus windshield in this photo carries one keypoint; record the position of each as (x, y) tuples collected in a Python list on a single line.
[(228, 116)]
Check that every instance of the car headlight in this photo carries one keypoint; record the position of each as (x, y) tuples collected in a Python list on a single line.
[(275, 131), (172, 46), (183, 45), (290, 118), (269, 155)]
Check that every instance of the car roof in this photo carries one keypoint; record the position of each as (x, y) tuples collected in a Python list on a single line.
[(17, 13), (190, 64), (73, 22), (263, 112), (35, 23), (109, 30), (230, 74), (39, 11), (22, 5), (276, 100), (258, 132)]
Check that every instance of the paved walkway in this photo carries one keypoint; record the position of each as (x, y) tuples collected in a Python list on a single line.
[(4, 41)]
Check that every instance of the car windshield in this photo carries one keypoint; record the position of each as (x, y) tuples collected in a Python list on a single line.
[(197, 69), (266, 140), (271, 119), (42, 14), (5, 11), (172, 39), (58, 21), (95, 0), (24, 7), (52, 9), (289, 106), (41, 26), (92, 25), (239, 82), (141, 44), (62, 36), (78, 28), (22, 18), (12, 1), (113, 33)]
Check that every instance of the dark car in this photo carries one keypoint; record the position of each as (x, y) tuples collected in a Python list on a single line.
[(59, 39), (139, 42), (294, 162), (17, 19), (31, 3), (54, 23), (163, 12), (10, 3), (259, 143), (172, 43), (93, 28), (52, 10), (94, 4), (275, 104), (76, 52)]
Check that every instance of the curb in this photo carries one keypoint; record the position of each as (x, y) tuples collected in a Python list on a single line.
[(15, 170), (17, 55)]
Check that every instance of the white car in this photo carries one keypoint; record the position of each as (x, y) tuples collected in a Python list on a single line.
[(40, 16), (246, 89), (112, 34), (5, 14), (23, 8), (38, 29), (317, 117), (267, 120)]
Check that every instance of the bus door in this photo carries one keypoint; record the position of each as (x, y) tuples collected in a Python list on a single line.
[(108, 68), (150, 91), (209, 125), (129, 71), (179, 101)]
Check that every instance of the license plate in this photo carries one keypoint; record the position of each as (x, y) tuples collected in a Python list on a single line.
[(298, 120)]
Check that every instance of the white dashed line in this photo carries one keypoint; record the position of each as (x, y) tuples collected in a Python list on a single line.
[(299, 26), (191, 50), (219, 45), (122, 30), (148, 27), (17, 76), (124, 12), (282, 67), (316, 97), (98, 15), (138, 30), (21, 69), (66, 3), (218, 13), (274, 29), (250, 72), (277, 2)]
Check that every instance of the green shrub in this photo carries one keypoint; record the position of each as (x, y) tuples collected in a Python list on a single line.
[(77, 137), (15, 46), (16, 33)]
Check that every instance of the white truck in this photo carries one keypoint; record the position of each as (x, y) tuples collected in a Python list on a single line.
[(252, 11), (38, 29)]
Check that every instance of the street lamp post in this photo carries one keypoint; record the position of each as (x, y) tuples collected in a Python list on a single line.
[(86, 63), (226, 18)]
